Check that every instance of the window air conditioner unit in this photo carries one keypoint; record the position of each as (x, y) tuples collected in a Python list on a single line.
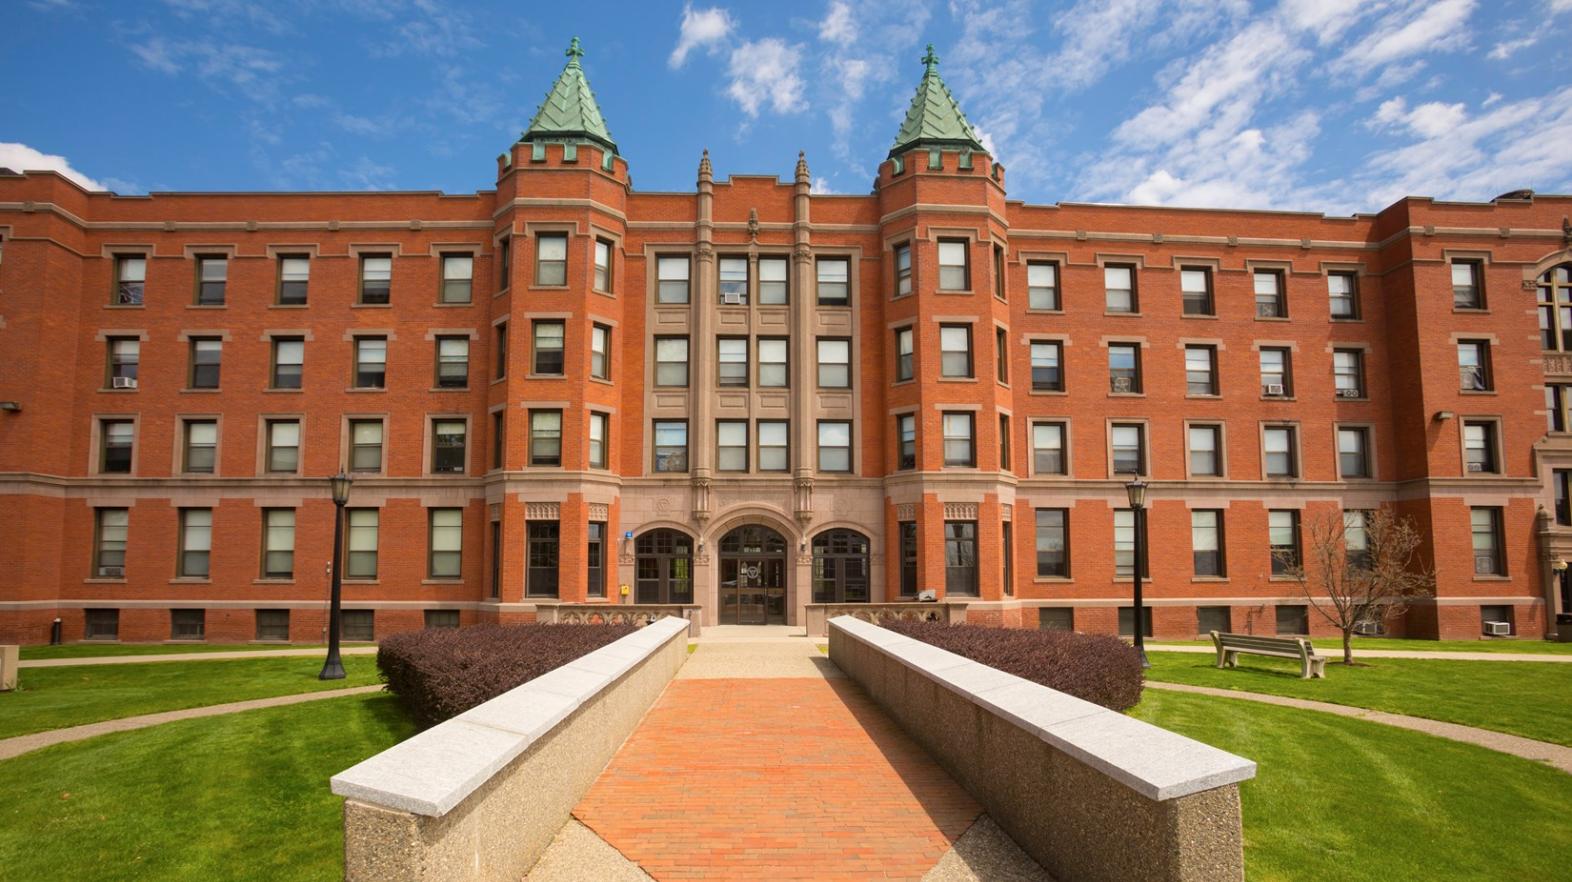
[(1476, 466), (1484, 565), (1348, 393), (1498, 629), (1274, 389), (1369, 629), (1121, 384), (111, 572), (122, 382), (732, 298), (1266, 310)]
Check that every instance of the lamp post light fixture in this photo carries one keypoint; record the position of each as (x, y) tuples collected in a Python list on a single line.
[(1137, 492), (333, 668)]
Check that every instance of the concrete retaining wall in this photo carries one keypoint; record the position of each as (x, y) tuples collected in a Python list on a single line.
[(1091, 794), (481, 795)]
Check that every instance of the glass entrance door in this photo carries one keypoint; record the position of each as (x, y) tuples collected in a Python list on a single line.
[(753, 590)]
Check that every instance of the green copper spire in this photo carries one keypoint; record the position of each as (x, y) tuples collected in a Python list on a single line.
[(934, 119), (569, 112)]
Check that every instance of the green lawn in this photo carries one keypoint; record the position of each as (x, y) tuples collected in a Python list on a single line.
[(237, 797), (1333, 647), (91, 650), (52, 698), (1531, 699), (1336, 798)]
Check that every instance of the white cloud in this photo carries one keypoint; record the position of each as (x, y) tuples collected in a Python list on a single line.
[(821, 187), (701, 29), (1506, 48), (255, 73), (838, 26), (764, 72), (1412, 28), (1326, 19), (1431, 120), (20, 157)]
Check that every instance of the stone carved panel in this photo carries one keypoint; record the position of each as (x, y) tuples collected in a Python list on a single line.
[(599, 511), (1557, 363), (1007, 512), (906, 511), (541, 511), (960, 511)]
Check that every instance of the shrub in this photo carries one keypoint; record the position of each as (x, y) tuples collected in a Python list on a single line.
[(1094, 667), (440, 673)]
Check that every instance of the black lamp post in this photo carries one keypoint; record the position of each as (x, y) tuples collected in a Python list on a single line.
[(333, 668), (1137, 492)]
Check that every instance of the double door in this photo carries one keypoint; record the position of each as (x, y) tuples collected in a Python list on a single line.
[(753, 590)]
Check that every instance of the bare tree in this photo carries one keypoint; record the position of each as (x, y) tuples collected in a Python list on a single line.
[(1358, 566)]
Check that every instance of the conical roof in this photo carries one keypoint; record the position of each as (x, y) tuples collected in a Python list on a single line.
[(934, 118), (569, 110)]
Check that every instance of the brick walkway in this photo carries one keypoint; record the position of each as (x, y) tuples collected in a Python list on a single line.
[(775, 778)]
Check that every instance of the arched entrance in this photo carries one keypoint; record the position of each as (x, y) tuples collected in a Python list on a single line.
[(840, 567), (752, 577), (664, 568)]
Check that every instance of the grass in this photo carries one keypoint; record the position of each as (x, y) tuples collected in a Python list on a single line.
[(53, 698), (1530, 699), (1333, 647), (99, 650), (1336, 798), (238, 797)]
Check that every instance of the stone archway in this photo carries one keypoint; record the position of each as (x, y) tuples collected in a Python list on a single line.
[(753, 576)]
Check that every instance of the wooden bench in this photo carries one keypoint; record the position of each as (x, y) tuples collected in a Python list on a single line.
[(1229, 646)]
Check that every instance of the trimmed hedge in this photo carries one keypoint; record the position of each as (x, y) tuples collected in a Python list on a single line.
[(442, 672), (1094, 667)]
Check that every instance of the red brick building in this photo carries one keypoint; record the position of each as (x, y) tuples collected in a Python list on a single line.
[(749, 397)]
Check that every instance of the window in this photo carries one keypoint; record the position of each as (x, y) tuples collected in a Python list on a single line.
[(1562, 479), (365, 445), (1270, 299), (1004, 442), (1348, 373), (906, 441), (596, 560), (1195, 290), (206, 362), (548, 341), (999, 289), (671, 285), (200, 448), (734, 280), (600, 352), (545, 437), (1473, 364), (903, 269), (1206, 451), (441, 618), (1496, 613), (1293, 618), (1558, 400), (671, 361), (283, 446), (1282, 526), (731, 441), (452, 362), (1127, 621), (551, 259), (1206, 542), (1281, 460), (904, 357), (458, 278), (115, 444), (772, 362), (907, 531), (954, 267), (1047, 375), (733, 368), (1042, 285), (499, 343), (832, 276), (499, 429), (955, 350), (1119, 289), (1479, 447), (1468, 289), (1353, 452), (101, 624), (448, 446), (109, 542), (1124, 368), (1124, 546), (1356, 538), (772, 281), (1213, 618), (371, 362), (834, 363), (671, 445), (1486, 526), (212, 278), (1200, 370), (1342, 290), (542, 537), (362, 562), (196, 543), (376, 278), (504, 263), (1276, 373), (294, 278), (187, 624), (130, 280), (1055, 618), (663, 568), (278, 543), (125, 355), (1001, 354), (602, 266), (773, 446), (959, 449), (446, 542), (496, 559), (1129, 448), (1048, 449), (960, 558), (1053, 543), (289, 358), (834, 446), (1555, 308), (598, 423), (359, 625), (840, 567)]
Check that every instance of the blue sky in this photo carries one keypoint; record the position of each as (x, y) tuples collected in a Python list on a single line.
[(1324, 105)]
